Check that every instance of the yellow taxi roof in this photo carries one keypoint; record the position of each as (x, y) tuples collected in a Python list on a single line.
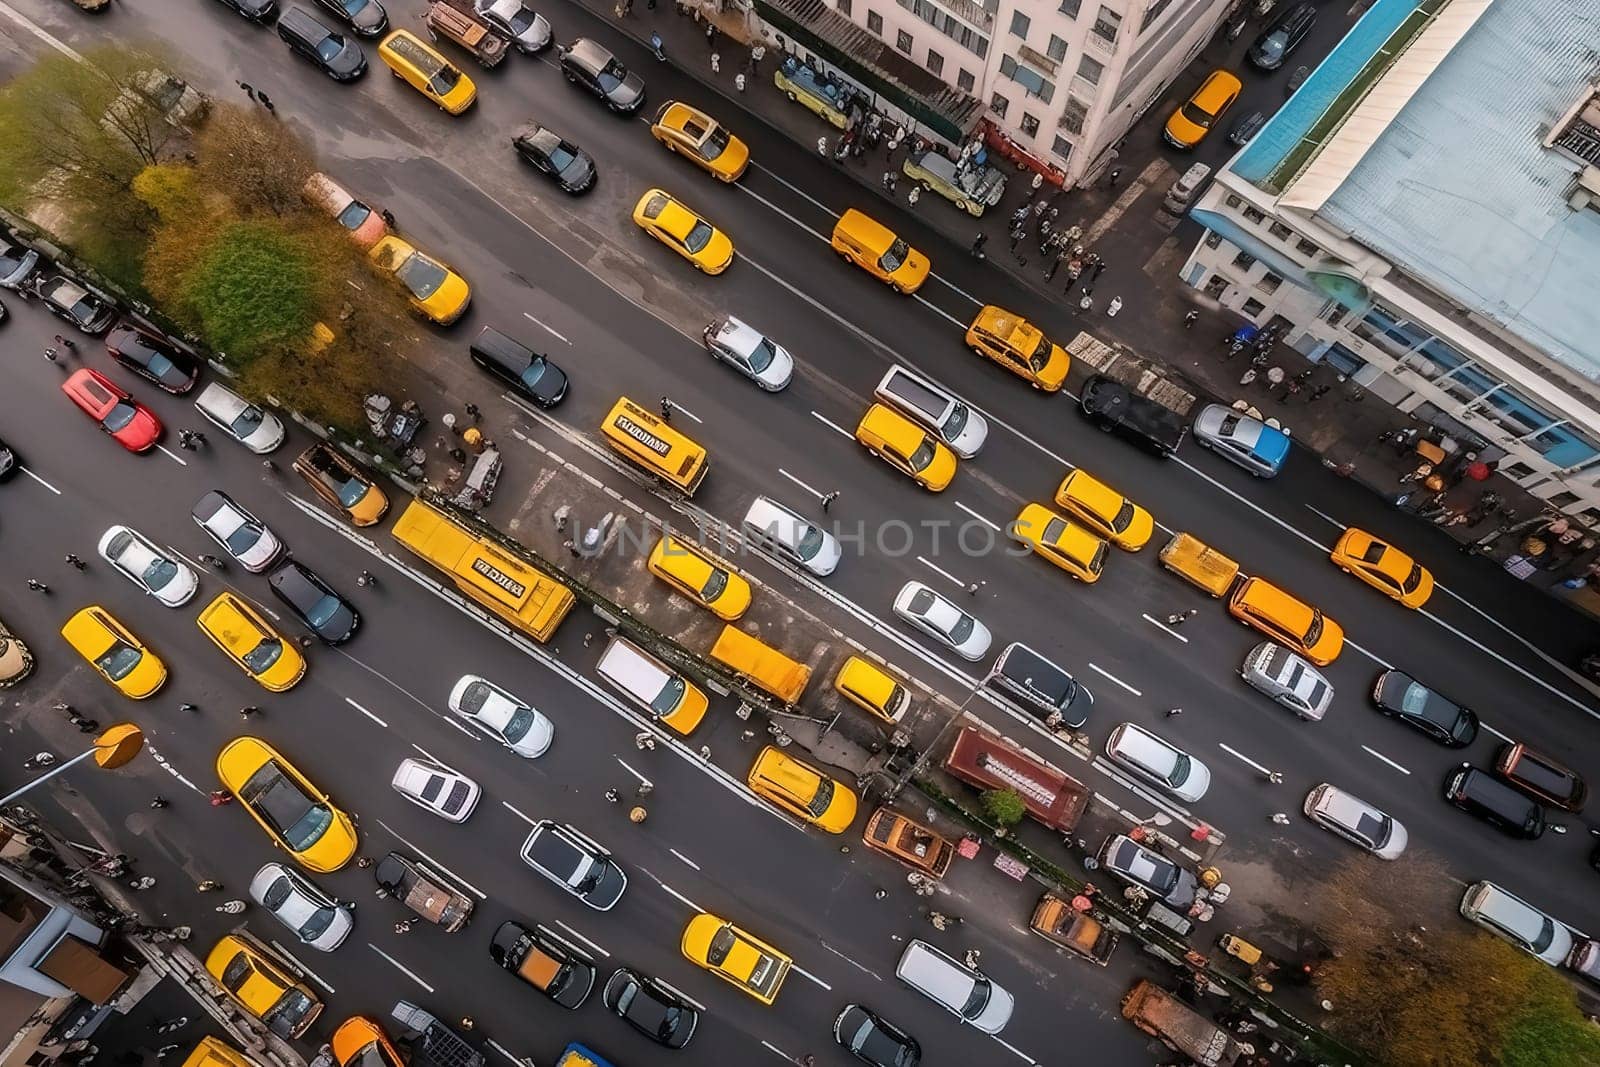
[(677, 115), (685, 560), (897, 431), (787, 774), (234, 624), (1391, 561), (871, 682), (1267, 599), (92, 630), (1091, 493)]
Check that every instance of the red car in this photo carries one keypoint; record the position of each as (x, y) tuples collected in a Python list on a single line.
[(135, 426)]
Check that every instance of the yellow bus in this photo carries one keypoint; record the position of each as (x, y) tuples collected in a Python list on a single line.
[(213, 1052), (514, 590), (647, 442)]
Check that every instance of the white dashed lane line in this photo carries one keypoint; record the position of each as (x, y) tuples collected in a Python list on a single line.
[(40, 480), (1111, 677), (367, 713), (402, 968), (1379, 755)]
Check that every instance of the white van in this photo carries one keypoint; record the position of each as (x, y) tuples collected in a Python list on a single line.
[(1525, 926), (963, 992), (791, 535), (665, 695), (925, 403)]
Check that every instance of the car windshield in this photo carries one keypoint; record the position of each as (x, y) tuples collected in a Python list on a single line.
[(810, 542), (610, 76), (324, 609), (443, 80), (892, 260), (243, 538), (1124, 517), (517, 727), (671, 693), (1197, 115), (715, 585), (535, 371), (1547, 934), (1373, 827), (722, 943), (824, 797), (354, 214), (962, 628), (247, 422), (1419, 700), (1041, 354), (561, 156), (286, 808), (351, 491), (160, 366), (264, 655), (1182, 765), (118, 660), (421, 275), (1314, 631), (316, 924), (923, 456), (330, 48), (159, 572), (977, 1000), (119, 417), (959, 414), (355, 7), (715, 144), (1413, 580), (762, 355), (1273, 44), (699, 237), (520, 22)]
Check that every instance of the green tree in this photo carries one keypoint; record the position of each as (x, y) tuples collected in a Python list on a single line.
[(1003, 806), (257, 287), (1552, 1036)]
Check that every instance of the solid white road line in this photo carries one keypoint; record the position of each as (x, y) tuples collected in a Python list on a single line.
[(470, 733), (480, 894), (1373, 656), (818, 234), (675, 406), (1324, 515), (630, 770), (980, 518), (801, 484), (1535, 679), (778, 1052), (679, 895), (402, 968), (834, 425), (498, 1047), (684, 858), (1492, 730), (1163, 626), (580, 937), (941, 312), (367, 713), (1242, 758), (797, 969), (307, 971), (547, 326), (39, 32), (1108, 675), (1374, 752), (530, 820), (163, 763), (173, 455), (848, 960), (1014, 1049), (40, 480), (935, 568)]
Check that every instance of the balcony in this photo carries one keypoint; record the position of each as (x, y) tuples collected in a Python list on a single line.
[(1037, 60)]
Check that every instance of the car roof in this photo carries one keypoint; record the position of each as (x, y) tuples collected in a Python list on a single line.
[(590, 53), (738, 335)]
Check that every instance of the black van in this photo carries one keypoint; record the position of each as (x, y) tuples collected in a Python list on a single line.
[(338, 57), (1039, 687), (520, 367), (1478, 793)]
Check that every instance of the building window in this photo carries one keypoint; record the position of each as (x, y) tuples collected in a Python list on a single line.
[(1517, 472), (1306, 248), (1069, 8), (844, 7), (1057, 49), (1254, 215), (1244, 261), (875, 22), (1213, 239), (1074, 114), (1031, 80), (1280, 231), (998, 105), (1152, 13), (1216, 285), (1336, 314), (1233, 200), (1089, 70), (1107, 24), (1562, 499), (1019, 24), (1269, 283), (1030, 125), (964, 80), (1253, 308), (935, 62), (902, 41), (1062, 148)]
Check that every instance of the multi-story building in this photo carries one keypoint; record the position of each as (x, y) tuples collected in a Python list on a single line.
[(1063, 80), (1424, 214)]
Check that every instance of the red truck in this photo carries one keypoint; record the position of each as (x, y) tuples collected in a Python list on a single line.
[(987, 761), (1162, 1015)]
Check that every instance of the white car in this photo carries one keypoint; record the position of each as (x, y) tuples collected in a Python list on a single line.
[(530, 32), (1163, 765), (576, 862), (514, 724), (792, 536), (750, 352), (246, 537), (259, 431), (938, 617), (1507, 915), (316, 918), (171, 581), (448, 794), (1356, 821)]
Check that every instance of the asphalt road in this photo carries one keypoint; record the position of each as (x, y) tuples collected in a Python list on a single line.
[(552, 270)]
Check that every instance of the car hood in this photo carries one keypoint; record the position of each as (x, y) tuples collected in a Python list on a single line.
[(142, 431), (349, 62), (996, 1013), (629, 93), (579, 173), (552, 384), (370, 19), (609, 888)]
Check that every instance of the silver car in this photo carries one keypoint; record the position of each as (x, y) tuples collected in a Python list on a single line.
[(1242, 440), (529, 31), (169, 580), (940, 618), (316, 918), (1289, 679), (17, 263), (449, 794), (750, 352), (246, 537), (259, 431), (1356, 821), (1164, 765)]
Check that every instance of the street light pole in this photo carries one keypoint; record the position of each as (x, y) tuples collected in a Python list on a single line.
[(73, 762), (903, 779), (116, 745)]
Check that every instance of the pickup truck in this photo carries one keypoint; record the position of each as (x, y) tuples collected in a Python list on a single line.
[(987, 761), (972, 187), (1117, 409), (430, 1042), (1162, 1015), (910, 842), (1055, 920)]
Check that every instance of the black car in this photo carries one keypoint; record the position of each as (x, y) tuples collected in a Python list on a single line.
[(153, 358), (8, 461), (1280, 39), (332, 52), (653, 1008), (874, 1040), (1246, 128), (1402, 697), (1115, 408), (544, 961), (566, 164), (587, 64), (254, 10), (1480, 794), (325, 613), (71, 300), (423, 890), (519, 366), (576, 862), (366, 17)]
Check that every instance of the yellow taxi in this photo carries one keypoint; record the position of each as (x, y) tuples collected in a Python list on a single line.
[(1196, 116), (110, 647), (297, 815), (802, 791), (702, 140), (341, 484), (1384, 567), (692, 237), (436, 292), (1105, 511), (735, 956), (876, 249), (255, 647), (360, 1042), (907, 447), (1258, 603), (1062, 542), (1020, 347), (262, 986), (697, 574), (215, 1052)]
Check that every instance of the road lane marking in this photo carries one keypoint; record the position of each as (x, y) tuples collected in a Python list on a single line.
[(367, 713), (797, 969), (848, 960), (1374, 752), (529, 819), (1107, 674), (402, 968), (801, 484), (480, 894), (673, 405), (778, 1052), (1163, 626), (40, 480), (684, 858), (1374, 657), (498, 1047), (829, 422), (935, 568), (547, 326), (580, 937), (1492, 730), (630, 770), (746, 190), (1480, 646), (679, 895), (173, 455), (1324, 515), (302, 968), (1014, 1049), (826, 210), (40, 33), (166, 765), (470, 733), (1242, 758), (937, 310), (980, 518), (430, 756)]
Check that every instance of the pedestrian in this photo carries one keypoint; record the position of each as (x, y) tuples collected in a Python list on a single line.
[(613, 796), (711, 34), (1171, 712), (142, 882), (468, 1023), (972, 588), (1189, 318), (828, 499), (402, 926), (1280, 818), (1275, 777), (66, 342), (266, 102), (1180, 617), (158, 802), (209, 885), (822, 146), (388, 218), (216, 563), (188, 707), (85, 726), (1114, 307), (1111, 179), (1053, 266), (914, 195), (757, 54), (716, 62), (644, 788), (74, 560), (248, 710), (1086, 302), (738, 81), (39, 761), (1319, 392), (220, 797), (365, 578), (1099, 269), (638, 815), (37, 586), (185, 441), (971, 958), (977, 245), (249, 90), (644, 741), (50, 354), (199, 437), (1017, 234)]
